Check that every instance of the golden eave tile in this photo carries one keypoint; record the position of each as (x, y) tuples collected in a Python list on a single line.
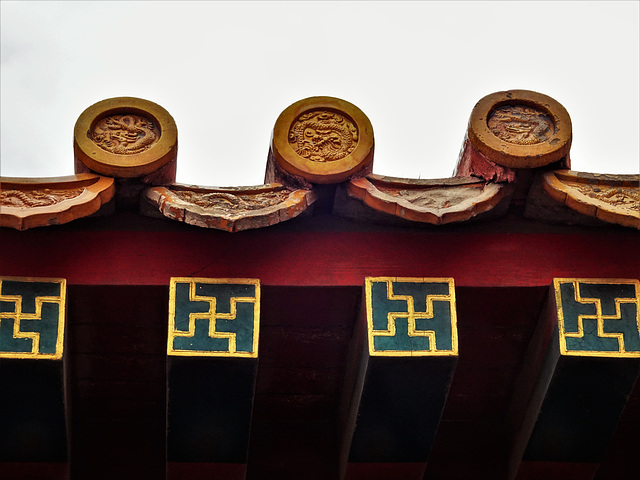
[(520, 129), (611, 198), (436, 202), (323, 140), (36, 202), (125, 137), (232, 209)]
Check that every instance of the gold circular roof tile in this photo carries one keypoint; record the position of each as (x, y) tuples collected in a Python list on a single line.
[(125, 137), (323, 139), (520, 129)]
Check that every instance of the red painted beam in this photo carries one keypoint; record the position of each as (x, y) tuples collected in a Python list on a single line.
[(206, 471), (34, 470), (312, 258)]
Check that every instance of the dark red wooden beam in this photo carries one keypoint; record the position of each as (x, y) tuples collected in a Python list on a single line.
[(326, 255)]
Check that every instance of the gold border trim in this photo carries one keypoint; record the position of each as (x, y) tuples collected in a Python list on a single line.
[(593, 353), (62, 302), (202, 353), (408, 353)]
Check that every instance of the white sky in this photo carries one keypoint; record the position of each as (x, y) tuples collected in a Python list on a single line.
[(226, 70)]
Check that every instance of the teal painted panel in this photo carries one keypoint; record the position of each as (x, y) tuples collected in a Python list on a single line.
[(213, 317), (32, 317), (598, 317), (409, 316)]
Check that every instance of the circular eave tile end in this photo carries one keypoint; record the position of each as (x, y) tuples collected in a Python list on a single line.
[(323, 139), (125, 137), (520, 129)]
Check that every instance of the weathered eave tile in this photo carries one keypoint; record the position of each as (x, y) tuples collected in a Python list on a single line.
[(434, 202), (610, 198), (37, 202), (232, 209)]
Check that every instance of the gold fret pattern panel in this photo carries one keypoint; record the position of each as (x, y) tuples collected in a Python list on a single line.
[(411, 316), (214, 317), (32, 315), (598, 317)]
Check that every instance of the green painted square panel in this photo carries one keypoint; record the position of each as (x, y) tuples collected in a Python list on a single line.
[(598, 317), (411, 316), (32, 314), (214, 317)]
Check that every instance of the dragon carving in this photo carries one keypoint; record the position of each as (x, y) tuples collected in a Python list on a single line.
[(125, 134), (520, 124), (323, 136), (36, 198), (628, 198), (233, 202)]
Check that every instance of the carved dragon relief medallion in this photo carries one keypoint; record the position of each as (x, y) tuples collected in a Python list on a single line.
[(36, 198), (520, 124), (323, 136), (518, 129), (125, 134)]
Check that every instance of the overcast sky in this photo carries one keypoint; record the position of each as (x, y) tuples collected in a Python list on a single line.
[(226, 70)]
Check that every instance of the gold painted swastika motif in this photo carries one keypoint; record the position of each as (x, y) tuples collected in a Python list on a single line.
[(598, 317), (411, 316), (32, 315), (214, 317)]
